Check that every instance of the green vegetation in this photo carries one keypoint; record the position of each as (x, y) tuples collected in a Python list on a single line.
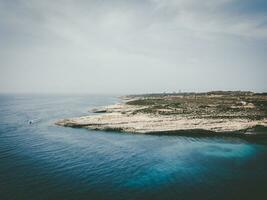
[(206, 105)]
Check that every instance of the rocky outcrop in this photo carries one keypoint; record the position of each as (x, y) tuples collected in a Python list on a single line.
[(173, 115), (145, 123)]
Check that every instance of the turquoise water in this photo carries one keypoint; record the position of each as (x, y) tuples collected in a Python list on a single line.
[(43, 161)]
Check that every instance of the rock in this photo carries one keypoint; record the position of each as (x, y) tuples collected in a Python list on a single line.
[(177, 113)]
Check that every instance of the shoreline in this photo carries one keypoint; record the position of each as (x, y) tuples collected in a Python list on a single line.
[(205, 114)]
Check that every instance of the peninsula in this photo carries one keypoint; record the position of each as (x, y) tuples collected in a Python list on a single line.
[(235, 112)]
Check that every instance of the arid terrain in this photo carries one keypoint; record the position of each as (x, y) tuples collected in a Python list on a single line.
[(213, 112)]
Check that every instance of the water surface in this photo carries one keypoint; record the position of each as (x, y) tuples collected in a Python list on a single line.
[(44, 161)]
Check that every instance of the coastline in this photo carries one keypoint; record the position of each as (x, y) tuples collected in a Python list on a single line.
[(180, 114)]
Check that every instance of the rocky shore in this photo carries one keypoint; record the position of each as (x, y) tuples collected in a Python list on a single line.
[(213, 112)]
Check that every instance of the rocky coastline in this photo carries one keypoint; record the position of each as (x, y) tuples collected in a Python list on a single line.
[(235, 113)]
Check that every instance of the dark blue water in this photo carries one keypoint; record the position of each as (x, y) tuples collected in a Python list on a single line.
[(43, 161)]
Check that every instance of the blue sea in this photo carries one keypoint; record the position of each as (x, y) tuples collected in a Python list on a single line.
[(41, 161)]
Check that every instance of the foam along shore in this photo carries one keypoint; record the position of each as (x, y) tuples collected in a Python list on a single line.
[(213, 112)]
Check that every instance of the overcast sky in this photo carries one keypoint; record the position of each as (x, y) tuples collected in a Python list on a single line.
[(132, 46)]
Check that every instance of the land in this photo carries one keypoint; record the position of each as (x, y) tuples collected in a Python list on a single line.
[(218, 112)]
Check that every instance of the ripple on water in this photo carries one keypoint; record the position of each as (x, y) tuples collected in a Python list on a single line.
[(184, 158), (63, 163)]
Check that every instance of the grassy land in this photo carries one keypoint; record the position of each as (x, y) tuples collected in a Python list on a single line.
[(206, 105)]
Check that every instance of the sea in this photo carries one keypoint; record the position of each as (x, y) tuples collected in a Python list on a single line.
[(42, 161)]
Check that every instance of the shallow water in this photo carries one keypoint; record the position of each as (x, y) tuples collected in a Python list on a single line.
[(43, 161)]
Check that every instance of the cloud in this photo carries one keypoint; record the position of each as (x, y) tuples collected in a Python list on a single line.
[(122, 45)]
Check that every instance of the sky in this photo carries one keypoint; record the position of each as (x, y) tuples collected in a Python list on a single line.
[(132, 46)]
